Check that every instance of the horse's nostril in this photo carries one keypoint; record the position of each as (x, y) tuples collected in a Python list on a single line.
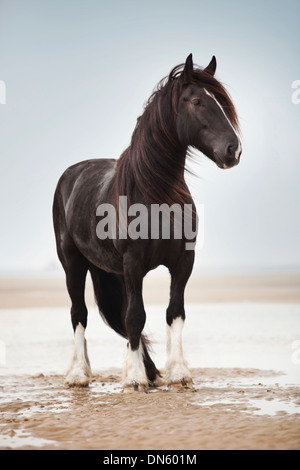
[(230, 150)]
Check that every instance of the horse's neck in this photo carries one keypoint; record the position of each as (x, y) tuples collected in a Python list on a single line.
[(158, 170), (153, 165)]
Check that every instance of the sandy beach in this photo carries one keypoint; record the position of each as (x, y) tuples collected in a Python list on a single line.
[(241, 341)]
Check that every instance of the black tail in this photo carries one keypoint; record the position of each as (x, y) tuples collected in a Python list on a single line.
[(111, 299)]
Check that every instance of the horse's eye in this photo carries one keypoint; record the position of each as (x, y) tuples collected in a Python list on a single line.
[(196, 102)]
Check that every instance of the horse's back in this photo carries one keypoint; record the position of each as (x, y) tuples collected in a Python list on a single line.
[(80, 190), (87, 172)]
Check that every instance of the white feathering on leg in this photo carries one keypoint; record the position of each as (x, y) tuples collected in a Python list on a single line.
[(79, 373), (134, 372), (176, 367)]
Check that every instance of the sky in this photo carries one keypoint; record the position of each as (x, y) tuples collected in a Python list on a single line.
[(77, 74)]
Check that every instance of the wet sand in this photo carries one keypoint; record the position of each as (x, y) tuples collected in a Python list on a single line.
[(228, 409), (239, 346)]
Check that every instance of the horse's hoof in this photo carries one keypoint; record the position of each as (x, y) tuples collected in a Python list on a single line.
[(158, 382), (181, 386), (184, 383), (77, 381), (135, 387)]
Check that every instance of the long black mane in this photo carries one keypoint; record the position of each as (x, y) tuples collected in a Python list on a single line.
[(155, 160)]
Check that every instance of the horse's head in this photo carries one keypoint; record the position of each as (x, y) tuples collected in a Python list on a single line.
[(206, 118)]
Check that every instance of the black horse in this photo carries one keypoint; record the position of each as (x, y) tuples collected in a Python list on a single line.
[(189, 108)]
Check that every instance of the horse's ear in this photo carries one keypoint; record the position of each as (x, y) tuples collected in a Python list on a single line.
[(188, 69), (211, 68)]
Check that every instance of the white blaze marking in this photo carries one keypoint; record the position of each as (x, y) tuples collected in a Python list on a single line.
[(238, 151)]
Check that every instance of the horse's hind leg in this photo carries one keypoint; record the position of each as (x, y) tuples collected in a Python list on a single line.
[(75, 266)]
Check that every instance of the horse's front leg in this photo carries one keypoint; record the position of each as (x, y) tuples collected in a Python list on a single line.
[(134, 372), (177, 371)]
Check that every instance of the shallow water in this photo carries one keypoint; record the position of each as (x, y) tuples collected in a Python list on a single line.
[(20, 438), (245, 335), (243, 355)]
